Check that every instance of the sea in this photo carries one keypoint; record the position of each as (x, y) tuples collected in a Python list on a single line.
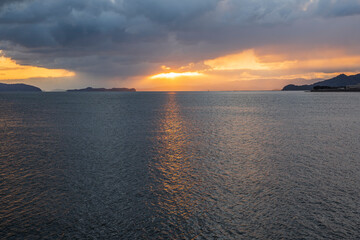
[(180, 165)]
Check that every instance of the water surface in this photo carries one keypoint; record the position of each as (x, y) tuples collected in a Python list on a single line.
[(197, 165)]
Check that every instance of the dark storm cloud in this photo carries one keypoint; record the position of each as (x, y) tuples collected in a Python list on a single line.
[(130, 37), (5, 2), (169, 12), (338, 8)]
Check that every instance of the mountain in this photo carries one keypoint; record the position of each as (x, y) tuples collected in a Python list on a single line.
[(340, 81), (90, 89), (19, 87)]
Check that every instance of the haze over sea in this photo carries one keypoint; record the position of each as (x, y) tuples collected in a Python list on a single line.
[(180, 165)]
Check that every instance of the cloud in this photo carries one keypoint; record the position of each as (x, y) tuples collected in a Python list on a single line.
[(10, 70), (7, 2), (123, 39), (338, 8), (243, 60)]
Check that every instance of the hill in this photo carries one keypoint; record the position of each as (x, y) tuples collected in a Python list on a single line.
[(340, 81), (19, 87)]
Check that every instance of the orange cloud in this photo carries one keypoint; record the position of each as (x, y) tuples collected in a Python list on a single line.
[(250, 69), (329, 61), (10, 70), (244, 60)]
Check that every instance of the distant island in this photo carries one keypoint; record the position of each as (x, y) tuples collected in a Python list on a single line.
[(18, 87), (351, 88), (342, 83), (90, 89)]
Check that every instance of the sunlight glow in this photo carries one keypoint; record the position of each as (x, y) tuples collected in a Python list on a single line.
[(244, 60), (254, 70), (172, 75), (10, 70)]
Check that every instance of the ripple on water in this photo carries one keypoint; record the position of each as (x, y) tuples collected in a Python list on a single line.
[(241, 165)]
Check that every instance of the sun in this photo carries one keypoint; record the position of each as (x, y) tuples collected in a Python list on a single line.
[(172, 75)]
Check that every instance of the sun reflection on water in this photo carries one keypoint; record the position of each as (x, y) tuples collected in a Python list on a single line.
[(172, 168)]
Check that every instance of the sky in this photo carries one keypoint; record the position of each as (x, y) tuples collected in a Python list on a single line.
[(172, 45)]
